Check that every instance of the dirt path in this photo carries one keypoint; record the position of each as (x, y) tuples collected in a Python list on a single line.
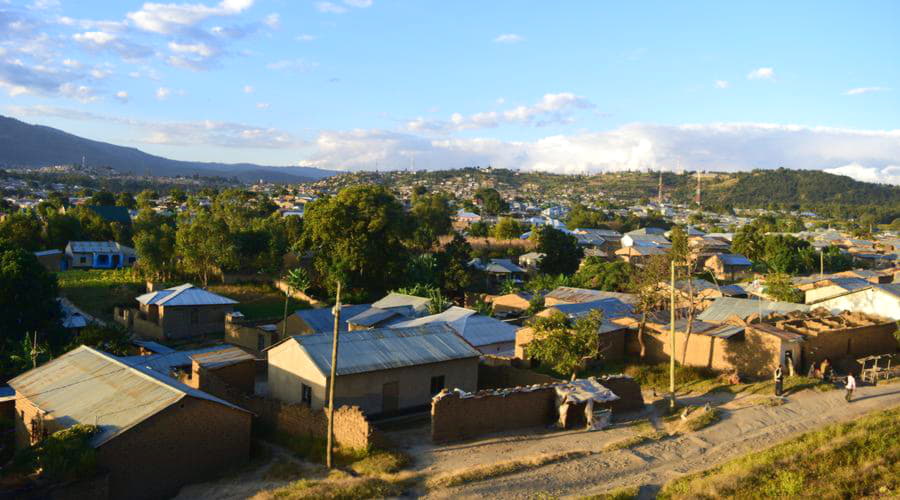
[(745, 426)]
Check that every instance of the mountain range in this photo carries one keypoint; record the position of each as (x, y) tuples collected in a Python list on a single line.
[(25, 145)]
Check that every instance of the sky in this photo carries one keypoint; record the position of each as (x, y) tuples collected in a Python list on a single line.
[(569, 87)]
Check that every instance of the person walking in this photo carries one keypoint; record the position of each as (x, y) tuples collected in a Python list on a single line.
[(851, 386), (779, 381)]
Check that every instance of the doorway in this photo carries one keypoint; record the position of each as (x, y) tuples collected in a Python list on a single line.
[(390, 397)]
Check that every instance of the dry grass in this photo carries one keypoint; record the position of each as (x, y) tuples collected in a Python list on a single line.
[(624, 493), (850, 460), (284, 470), (702, 418), (381, 462), (337, 486), (482, 473), (645, 433)]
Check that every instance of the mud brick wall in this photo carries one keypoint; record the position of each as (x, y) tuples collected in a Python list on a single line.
[(629, 392), (502, 376), (454, 418)]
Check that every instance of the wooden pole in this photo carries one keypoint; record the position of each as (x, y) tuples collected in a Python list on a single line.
[(334, 354), (672, 340)]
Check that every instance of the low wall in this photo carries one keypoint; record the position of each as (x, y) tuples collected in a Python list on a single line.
[(494, 376), (455, 416), (297, 294), (351, 429)]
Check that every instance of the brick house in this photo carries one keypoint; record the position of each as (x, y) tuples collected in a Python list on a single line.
[(155, 433), (178, 312)]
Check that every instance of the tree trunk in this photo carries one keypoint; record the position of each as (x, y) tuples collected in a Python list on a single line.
[(690, 319), (641, 334), (284, 322)]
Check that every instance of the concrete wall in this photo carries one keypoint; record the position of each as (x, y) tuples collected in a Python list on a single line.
[(855, 342), (869, 301), (247, 335), (241, 376), (288, 368), (188, 442), (175, 321)]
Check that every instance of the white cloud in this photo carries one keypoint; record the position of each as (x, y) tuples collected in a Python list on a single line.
[(44, 4), (71, 63), (262, 105), (330, 8), (761, 74), (198, 49), (889, 174), (865, 90), (94, 37), (81, 93), (509, 38), (171, 17), (551, 109), (305, 37), (711, 147), (292, 64), (163, 93), (100, 73), (722, 84), (122, 96), (361, 4), (273, 21), (248, 89)]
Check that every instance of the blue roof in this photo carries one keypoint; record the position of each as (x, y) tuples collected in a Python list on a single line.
[(374, 315), (321, 320), (611, 308), (733, 259), (477, 329)]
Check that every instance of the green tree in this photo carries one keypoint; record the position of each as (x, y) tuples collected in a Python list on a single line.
[(561, 252), (431, 217), (103, 199), (479, 229), (563, 345), (108, 338), (491, 202), (146, 198), (507, 228), (125, 199), (22, 230), (779, 287), (598, 274), (646, 283), (583, 217), (296, 279), (453, 266), (178, 195), (61, 229), (357, 237), (203, 245), (680, 250), (27, 294), (154, 241)]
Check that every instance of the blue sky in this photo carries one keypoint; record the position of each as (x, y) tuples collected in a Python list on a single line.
[(567, 87)]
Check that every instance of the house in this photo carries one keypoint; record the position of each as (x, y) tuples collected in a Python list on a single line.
[(647, 231), (393, 308), (618, 316), (729, 266), (645, 240), (383, 371), (307, 321), (499, 270), (466, 218), (52, 260), (488, 335), (822, 289), (510, 305), (99, 255), (572, 295), (877, 277), (251, 335), (639, 255), (881, 300), (155, 433), (723, 308), (178, 312)]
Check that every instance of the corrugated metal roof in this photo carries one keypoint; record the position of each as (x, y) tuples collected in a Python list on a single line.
[(502, 266), (184, 295), (44, 253), (322, 320), (152, 346), (725, 331), (221, 358), (384, 348), (644, 231), (734, 259), (91, 387), (611, 308), (374, 315), (571, 294), (477, 329), (166, 362), (99, 247), (394, 299), (723, 307)]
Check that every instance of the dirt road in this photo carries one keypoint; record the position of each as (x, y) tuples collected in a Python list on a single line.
[(745, 426)]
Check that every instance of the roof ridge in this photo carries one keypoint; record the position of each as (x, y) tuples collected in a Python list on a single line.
[(135, 369)]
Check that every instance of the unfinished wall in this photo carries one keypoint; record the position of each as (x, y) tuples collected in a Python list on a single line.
[(502, 376)]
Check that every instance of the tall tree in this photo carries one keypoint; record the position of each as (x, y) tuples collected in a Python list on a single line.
[(154, 241), (561, 252), (563, 345), (491, 202), (203, 244), (507, 228), (125, 199), (102, 198), (452, 262), (431, 218), (357, 237), (27, 294), (22, 230), (61, 229), (598, 274), (779, 287), (646, 285)]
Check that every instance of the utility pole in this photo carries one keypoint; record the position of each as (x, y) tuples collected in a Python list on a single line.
[(334, 354), (822, 262), (672, 339), (698, 189), (659, 196)]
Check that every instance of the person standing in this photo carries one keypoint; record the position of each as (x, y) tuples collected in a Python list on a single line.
[(779, 381), (851, 386)]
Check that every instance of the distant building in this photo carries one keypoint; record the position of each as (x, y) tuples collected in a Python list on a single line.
[(729, 266), (99, 255), (52, 260), (488, 335)]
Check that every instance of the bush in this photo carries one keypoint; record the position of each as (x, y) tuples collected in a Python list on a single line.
[(65, 455)]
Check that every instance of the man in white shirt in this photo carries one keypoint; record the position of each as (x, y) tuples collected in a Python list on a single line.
[(851, 386)]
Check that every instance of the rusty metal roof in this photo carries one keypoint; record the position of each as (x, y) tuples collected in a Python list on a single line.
[(222, 358), (86, 386)]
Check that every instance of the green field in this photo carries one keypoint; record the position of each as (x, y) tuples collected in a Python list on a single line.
[(258, 300), (97, 291), (857, 459)]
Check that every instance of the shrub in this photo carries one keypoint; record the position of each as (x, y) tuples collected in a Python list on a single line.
[(65, 455)]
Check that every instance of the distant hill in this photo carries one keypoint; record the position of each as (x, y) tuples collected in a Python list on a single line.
[(26, 145)]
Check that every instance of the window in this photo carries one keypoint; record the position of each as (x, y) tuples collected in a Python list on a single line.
[(261, 342), (103, 259), (306, 394), (83, 259), (195, 316), (437, 384)]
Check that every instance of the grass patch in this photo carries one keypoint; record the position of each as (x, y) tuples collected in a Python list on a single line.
[(97, 291), (482, 473), (702, 419), (645, 433), (380, 462), (850, 460), (283, 470), (623, 493), (258, 300), (337, 486)]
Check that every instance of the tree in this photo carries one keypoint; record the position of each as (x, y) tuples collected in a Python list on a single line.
[(357, 237), (565, 346), (103, 199), (178, 195), (507, 228), (583, 217), (296, 279), (646, 285), (21, 230), (491, 202), (27, 294), (453, 266), (125, 199), (109, 338), (561, 252), (779, 287), (61, 229), (154, 240), (836, 260), (598, 274), (479, 229), (543, 283), (203, 245), (431, 216), (146, 198)]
